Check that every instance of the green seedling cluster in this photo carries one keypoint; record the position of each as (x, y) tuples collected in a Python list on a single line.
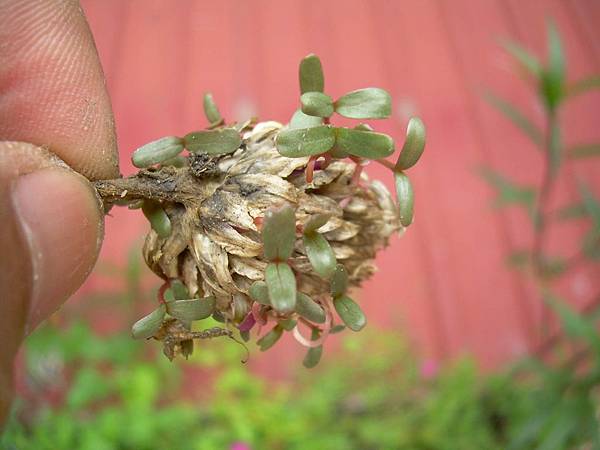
[(310, 132), (275, 294), (279, 290)]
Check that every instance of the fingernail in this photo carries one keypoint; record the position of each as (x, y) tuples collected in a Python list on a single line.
[(60, 218)]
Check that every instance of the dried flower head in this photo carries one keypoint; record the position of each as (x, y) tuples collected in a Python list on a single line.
[(267, 226)]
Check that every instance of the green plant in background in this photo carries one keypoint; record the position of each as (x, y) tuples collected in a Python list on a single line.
[(553, 92), (266, 226), (119, 398), (564, 411)]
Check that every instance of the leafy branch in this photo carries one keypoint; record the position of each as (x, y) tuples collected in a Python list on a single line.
[(552, 91)]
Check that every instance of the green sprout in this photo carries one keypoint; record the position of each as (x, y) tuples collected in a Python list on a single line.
[(311, 134)]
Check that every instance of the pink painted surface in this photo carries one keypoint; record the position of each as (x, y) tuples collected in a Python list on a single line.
[(444, 281)]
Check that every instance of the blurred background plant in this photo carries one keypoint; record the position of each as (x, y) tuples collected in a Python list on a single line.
[(568, 371)]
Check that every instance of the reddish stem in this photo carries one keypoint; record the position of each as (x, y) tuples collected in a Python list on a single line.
[(385, 163), (161, 292), (257, 313), (310, 167), (327, 160), (356, 175)]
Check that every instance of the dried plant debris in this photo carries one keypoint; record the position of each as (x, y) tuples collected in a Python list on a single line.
[(266, 227)]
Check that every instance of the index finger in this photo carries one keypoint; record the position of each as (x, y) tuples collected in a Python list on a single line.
[(52, 89)]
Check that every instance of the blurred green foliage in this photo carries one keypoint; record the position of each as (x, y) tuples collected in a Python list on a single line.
[(371, 394)]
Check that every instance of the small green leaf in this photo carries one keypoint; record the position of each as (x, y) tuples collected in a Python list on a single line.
[(315, 222), (369, 103), (309, 309), (583, 151), (338, 153), (218, 316), (270, 339), (159, 221), (574, 324), (366, 144), (517, 118), (311, 74), (413, 145), (337, 329), (287, 324), (259, 293), (406, 198), (509, 193), (552, 86), (279, 233), (350, 313), (210, 109), (157, 152), (177, 161), (339, 281), (305, 141), (591, 204), (193, 309), (245, 335), (519, 259), (591, 240), (572, 211), (301, 120), (313, 355), (583, 86), (168, 296), (148, 325), (281, 284), (213, 142), (320, 254), (316, 104), (180, 292), (552, 267), (527, 60), (590, 245)]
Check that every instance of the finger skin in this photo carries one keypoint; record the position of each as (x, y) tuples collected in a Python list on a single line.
[(52, 89), (52, 95)]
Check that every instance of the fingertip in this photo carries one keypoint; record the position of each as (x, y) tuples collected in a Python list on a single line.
[(60, 217), (52, 88)]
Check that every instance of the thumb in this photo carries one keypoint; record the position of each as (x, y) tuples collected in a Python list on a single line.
[(50, 235), (52, 94)]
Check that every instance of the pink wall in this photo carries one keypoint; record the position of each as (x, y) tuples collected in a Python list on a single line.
[(445, 281)]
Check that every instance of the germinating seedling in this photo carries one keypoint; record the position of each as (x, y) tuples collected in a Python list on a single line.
[(265, 227)]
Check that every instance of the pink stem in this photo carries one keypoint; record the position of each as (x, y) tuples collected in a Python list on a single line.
[(324, 332), (161, 292), (385, 163), (310, 167), (257, 313)]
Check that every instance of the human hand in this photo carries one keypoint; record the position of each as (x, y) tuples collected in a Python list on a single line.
[(54, 108)]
